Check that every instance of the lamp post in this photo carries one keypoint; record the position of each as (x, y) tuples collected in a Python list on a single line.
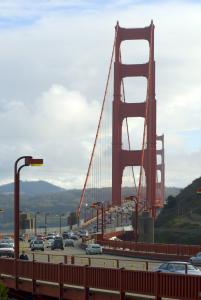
[(46, 214), (60, 216), (97, 206), (135, 199), (28, 161), (35, 222), (85, 212)]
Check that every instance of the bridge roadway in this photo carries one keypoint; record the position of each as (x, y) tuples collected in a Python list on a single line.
[(76, 255)]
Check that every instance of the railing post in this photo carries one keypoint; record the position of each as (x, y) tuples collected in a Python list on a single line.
[(86, 288), (89, 261), (60, 279), (33, 278), (117, 263), (72, 260), (157, 275), (122, 291), (65, 259), (16, 273)]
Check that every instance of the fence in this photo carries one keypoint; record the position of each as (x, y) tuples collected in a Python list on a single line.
[(57, 276), (167, 249)]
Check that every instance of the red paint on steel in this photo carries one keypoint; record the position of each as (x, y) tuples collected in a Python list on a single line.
[(176, 286), (144, 158), (163, 249), (160, 187)]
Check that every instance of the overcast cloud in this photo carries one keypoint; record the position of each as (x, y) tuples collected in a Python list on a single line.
[(54, 59)]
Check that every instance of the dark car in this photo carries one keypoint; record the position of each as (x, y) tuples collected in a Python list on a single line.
[(57, 244)]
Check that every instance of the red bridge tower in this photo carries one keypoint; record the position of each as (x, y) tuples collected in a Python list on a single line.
[(147, 110)]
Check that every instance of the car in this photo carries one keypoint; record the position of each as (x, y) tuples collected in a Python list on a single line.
[(93, 249), (21, 238), (37, 245), (49, 243), (31, 238), (83, 233), (178, 267), (57, 243), (50, 236), (69, 243), (40, 237), (6, 249), (196, 260)]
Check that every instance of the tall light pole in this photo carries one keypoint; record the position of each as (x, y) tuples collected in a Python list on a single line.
[(60, 216), (28, 161), (85, 212), (35, 222), (97, 206), (46, 214)]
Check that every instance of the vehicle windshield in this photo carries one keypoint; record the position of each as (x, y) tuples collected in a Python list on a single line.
[(38, 242), (6, 246), (191, 267), (179, 267)]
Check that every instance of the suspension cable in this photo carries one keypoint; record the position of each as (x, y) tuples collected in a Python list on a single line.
[(97, 132)]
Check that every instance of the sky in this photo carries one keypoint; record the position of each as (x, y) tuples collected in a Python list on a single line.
[(54, 59)]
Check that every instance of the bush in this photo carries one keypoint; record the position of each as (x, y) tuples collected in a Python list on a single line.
[(3, 292)]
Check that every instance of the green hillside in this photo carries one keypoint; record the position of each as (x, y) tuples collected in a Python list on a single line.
[(180, 220)]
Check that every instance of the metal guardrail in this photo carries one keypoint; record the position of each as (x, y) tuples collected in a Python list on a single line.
[(57, 276), (170, 249)]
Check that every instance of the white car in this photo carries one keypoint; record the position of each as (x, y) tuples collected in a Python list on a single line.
[(93, 249), (6, 249), (49, 243), (179, 267), (196, 260), (37, 245)]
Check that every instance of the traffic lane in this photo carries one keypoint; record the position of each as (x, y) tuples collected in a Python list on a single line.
[(81, 258), (98, 260)]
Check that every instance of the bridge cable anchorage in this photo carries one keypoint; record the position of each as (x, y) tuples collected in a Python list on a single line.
[(97, 132)]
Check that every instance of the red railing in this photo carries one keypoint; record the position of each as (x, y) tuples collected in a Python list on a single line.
[(171, 249), (139, 282)]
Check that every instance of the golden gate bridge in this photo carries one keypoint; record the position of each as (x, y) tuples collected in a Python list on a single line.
[(109, 159), (119, 156)]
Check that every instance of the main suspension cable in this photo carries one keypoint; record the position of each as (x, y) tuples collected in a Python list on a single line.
[(97, 132)]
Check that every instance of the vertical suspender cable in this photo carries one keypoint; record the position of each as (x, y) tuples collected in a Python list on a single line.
[(97, 132)]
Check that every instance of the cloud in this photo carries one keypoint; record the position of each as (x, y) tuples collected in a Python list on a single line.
[(54, 59), (58, 127)]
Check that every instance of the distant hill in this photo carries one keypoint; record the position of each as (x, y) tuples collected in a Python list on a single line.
[(180, 219), (32, 188), (47, 198)]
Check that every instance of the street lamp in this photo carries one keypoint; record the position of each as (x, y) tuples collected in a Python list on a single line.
[(135, 199), (97, 206), (35, 222), (46, 214), (28, 161), (60, 216), (85, 212)]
